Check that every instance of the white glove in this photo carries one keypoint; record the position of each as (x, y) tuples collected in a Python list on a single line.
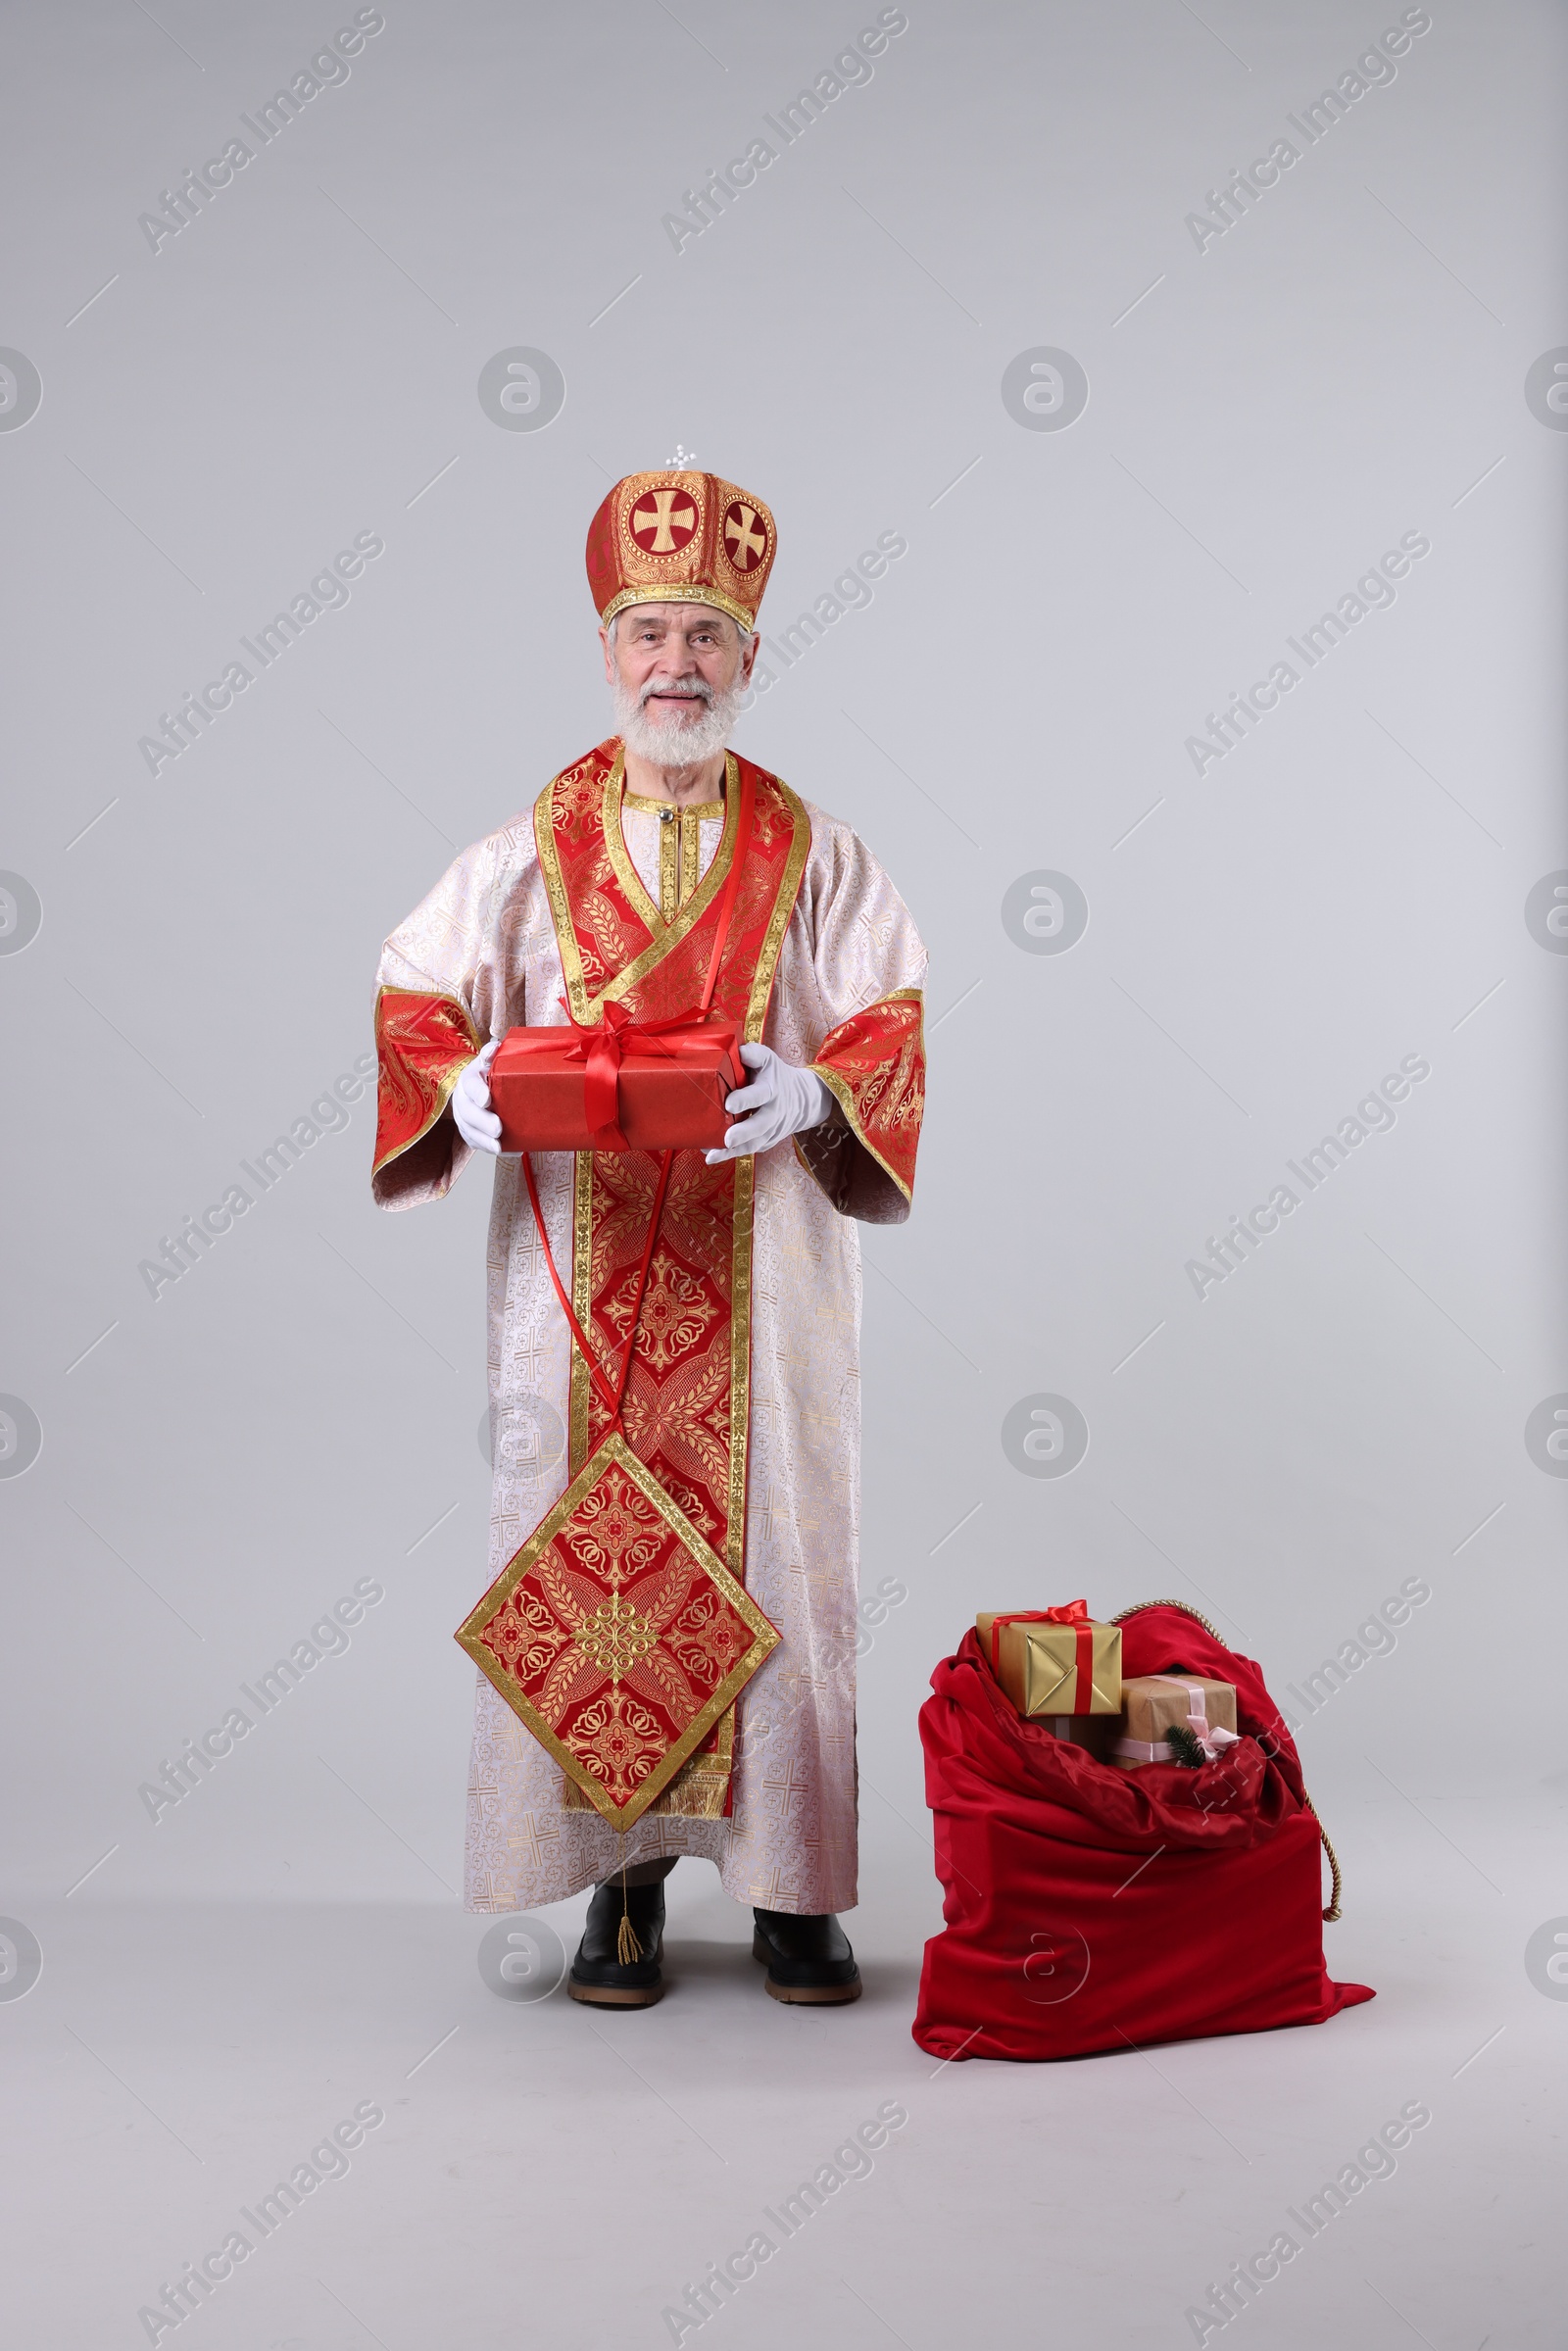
[(476, 1122), (782, 1100)]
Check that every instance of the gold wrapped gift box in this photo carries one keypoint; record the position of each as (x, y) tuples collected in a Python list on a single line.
[(1046, 1668), (1155, 1704)]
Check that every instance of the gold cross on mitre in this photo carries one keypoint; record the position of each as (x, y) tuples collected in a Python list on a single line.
[(745, 542), (659, 513)]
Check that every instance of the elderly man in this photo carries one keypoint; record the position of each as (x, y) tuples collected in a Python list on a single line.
[(657, 864)]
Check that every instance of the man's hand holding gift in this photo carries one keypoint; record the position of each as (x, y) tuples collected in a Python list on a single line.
[(781, 1100)]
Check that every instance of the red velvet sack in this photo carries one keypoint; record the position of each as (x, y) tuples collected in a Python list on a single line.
[(1091, 1909)]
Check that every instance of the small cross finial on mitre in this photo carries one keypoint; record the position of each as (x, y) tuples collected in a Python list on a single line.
[(684, 458)]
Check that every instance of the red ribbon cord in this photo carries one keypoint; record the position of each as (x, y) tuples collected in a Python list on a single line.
[(1074, 1613), (602, 1048), (611, 1397)]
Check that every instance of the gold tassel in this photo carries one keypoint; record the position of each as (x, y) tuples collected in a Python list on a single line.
[(628, 1950)]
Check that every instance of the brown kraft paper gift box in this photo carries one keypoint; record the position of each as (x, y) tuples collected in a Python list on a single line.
[(1155, 1704)]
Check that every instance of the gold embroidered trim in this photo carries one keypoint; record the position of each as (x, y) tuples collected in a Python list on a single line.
[(444, 1091), (765, 1636), (690, 828), (712, 809), (544, 841), (737, 611), (783, 908), (680, 845), (626, 873), (583, 1243), (840, 1093), (667, 934), (740, 1365)]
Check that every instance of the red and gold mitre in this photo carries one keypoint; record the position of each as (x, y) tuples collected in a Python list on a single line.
[(680, 538)]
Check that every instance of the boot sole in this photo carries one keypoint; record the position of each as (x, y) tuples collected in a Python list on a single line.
[(813, 1995), (804, 1995), (605, 1995)]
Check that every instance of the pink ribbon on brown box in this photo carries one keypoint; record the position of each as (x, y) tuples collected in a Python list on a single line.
[(1213, 1743)]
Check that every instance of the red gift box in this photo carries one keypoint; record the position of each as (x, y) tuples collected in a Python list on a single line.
[(618, 1086)]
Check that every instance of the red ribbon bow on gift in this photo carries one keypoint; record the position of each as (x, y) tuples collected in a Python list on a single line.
[(1073, 1612), (601, 1046)]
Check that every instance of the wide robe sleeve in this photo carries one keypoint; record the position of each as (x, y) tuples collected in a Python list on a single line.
[(869, 966), (438, 999)]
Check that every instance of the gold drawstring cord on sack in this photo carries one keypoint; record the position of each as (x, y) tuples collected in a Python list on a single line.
[(628, 1950), (1332, 1913)]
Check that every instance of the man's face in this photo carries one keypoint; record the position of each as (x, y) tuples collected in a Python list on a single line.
[(673, 661)]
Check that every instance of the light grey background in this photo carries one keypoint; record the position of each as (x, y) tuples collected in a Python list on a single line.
[(1264, 940)]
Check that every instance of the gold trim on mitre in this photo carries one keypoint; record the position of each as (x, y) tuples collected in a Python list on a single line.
[(714, 596)]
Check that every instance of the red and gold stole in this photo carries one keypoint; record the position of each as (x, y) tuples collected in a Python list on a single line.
[(687, 1406)]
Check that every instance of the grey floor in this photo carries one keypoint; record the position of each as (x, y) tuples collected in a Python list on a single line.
[(548, 2176)]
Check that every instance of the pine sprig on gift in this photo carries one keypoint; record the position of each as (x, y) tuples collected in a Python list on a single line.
[(1186, 1748)]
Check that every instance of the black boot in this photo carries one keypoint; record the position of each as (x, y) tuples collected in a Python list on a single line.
[(809, 1960), (599, 1975)]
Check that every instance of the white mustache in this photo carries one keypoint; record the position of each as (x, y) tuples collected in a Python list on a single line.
[(699, 690)]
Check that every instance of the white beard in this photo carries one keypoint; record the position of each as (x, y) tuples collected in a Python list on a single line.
[(683, 743)]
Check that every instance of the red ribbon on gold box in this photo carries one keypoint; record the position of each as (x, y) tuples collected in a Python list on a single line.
[(1054, 1660)]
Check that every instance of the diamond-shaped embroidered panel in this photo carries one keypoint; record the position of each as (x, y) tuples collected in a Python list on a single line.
[(618, 1634)]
